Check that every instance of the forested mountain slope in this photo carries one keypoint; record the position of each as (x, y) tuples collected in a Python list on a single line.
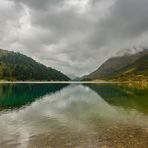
[(16, 66)]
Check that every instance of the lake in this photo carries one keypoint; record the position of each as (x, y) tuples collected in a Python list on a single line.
[(73, 115)]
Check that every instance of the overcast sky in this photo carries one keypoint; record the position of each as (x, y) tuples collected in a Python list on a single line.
[(73, 36)]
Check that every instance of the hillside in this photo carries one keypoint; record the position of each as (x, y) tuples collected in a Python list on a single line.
[(136, 71), (15, 66), (127, 67)]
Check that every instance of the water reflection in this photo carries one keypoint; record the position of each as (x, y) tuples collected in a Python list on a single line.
[(133, 97), (76, 116), (17, 95)]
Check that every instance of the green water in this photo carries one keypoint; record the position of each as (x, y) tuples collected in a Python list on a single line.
[(75, 115)]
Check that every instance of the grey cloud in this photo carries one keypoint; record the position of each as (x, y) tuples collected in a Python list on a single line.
[(39, 4), (59, 34), (129, 18)]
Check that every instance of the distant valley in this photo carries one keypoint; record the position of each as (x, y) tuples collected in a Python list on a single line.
[(15, 66)]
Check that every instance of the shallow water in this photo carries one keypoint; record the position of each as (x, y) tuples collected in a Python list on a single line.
[(75, 115)]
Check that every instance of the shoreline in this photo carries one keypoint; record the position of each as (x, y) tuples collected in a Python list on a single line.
[(71, 82), (52, 82)]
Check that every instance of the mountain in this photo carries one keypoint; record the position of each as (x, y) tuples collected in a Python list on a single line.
[(126, 67), (16, 66)]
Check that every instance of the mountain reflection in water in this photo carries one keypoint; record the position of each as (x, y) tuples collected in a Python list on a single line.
[(18, 95), (58, 115)]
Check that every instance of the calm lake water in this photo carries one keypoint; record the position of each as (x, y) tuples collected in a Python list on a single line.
[(75, 115)]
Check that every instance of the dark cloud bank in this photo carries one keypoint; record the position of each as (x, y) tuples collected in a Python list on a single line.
[(74, 36)]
